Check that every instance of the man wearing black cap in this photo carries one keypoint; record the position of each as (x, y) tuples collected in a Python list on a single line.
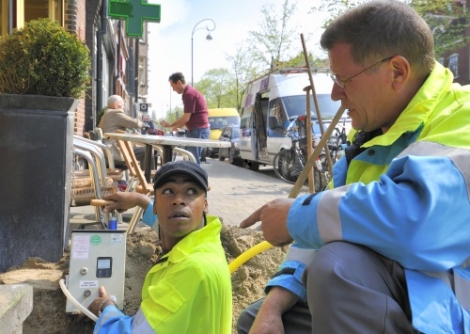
[(189, 288)]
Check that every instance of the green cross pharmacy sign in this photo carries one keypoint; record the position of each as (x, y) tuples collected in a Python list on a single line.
[(135, 12)]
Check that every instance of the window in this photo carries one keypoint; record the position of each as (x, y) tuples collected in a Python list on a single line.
[(34, 9), (27, 10), (454, 64), (3, 17), (296, 105)]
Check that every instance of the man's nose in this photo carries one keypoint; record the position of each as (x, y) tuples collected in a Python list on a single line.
[(178, 199), (337, 92)]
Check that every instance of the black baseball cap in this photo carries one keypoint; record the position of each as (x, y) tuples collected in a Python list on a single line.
[(183, 167)]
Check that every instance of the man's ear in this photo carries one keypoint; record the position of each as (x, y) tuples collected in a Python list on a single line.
[(401, 72), (155, 206), (206, 206)]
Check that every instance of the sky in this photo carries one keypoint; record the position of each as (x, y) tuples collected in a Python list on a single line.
[(170, 40)]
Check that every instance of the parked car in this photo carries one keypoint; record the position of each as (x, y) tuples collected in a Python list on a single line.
[(219, 118), (231, 133)]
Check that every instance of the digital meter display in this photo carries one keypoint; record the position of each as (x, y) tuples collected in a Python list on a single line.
[(104, 267)]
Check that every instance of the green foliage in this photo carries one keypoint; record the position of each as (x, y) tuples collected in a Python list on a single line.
[(43, 59), (274, 41), (272, 46), (216, 86), (447, 19), (243, 70)]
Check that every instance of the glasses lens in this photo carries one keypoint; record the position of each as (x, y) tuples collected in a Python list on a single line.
[(337, 81)]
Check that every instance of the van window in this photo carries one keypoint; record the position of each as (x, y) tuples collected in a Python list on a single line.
[(296, 105), (245, 125), (277, 118), (223, 121)]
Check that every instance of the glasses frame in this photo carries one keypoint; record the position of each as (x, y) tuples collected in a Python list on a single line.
[(341, 83)]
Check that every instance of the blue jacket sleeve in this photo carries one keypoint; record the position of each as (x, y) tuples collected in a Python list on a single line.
[(416, 214), (289, 275)]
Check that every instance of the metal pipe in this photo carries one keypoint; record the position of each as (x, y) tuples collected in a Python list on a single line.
[(99, 60)]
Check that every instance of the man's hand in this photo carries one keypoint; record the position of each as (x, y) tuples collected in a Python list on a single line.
[(126, 200), (165, 124), (269, 318), (94, 307), (273, 217)]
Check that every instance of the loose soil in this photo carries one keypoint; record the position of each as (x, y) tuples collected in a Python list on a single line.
[(49, 317)]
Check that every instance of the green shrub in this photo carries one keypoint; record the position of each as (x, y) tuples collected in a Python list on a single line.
[(43, 59)]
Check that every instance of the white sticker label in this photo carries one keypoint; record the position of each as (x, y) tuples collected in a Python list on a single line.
[(80, 246), (88, 284), (117, 238)]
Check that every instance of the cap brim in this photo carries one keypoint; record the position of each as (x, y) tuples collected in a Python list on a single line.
[(163, 178)]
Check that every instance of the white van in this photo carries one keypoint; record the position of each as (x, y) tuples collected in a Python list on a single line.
[(271, 103)]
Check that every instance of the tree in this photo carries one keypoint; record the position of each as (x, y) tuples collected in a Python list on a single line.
[(271, 46), (447, 19), (216, 86), (273, 43), (243, 72)]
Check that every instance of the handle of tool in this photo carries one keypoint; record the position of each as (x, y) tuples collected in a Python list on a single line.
[(100, 202)]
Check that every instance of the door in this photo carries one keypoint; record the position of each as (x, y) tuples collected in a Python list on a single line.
[(245, 135)]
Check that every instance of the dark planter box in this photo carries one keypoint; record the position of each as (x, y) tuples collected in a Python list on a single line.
[(36, 137)]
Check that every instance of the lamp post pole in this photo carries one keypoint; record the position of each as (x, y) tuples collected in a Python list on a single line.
[(208, 37)]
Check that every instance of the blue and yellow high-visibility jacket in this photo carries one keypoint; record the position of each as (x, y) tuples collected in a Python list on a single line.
[(187, 291), (407, 197)]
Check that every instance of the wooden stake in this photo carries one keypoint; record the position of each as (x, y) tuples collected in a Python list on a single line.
[(317, 107)]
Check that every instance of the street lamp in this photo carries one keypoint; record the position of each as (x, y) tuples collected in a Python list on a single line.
[(208, 37)]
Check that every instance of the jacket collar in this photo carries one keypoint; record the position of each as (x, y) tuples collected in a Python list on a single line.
[(420, 107), (204, 236)]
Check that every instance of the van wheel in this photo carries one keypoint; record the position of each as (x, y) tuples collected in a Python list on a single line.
[(221, 158)]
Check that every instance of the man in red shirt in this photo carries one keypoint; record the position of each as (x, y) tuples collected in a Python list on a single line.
[(195, 116)]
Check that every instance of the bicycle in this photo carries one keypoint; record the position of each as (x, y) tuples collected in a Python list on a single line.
[(337, 142), (289, 163)]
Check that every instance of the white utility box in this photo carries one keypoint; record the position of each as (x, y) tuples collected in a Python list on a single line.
[(97, 258)]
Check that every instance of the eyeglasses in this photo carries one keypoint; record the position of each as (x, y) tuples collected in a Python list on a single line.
[(341, 83)]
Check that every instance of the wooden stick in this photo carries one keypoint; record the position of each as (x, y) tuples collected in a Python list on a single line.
[(317, 107), (308, 138)]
